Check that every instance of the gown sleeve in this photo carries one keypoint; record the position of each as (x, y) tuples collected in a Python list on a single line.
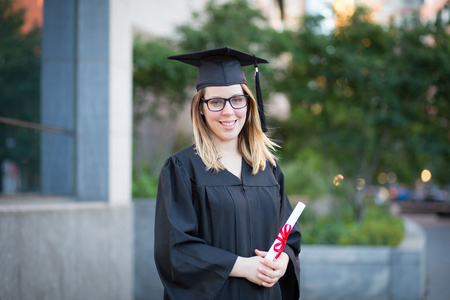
[(188, 267), (290, 282)]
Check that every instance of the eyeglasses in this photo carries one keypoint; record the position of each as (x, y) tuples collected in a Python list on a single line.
[(236, 102)]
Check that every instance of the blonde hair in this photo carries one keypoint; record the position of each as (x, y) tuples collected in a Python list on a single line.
[(253, 144)]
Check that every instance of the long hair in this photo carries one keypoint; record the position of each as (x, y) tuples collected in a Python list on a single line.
[(253, 144)]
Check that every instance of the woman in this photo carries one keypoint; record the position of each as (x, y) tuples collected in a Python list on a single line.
[(223, 198)]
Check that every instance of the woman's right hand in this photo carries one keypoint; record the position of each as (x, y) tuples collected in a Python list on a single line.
[(247, 267)]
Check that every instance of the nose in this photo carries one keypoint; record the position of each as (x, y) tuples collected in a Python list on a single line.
[(228, 109)]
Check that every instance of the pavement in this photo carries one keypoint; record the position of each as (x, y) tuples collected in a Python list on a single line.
[(437, 230)]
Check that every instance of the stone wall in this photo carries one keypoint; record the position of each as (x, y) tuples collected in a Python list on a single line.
[(366, 272), (66, 251), (147, 285)]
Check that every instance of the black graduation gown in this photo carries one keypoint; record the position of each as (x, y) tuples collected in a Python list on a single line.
[(205, 220)]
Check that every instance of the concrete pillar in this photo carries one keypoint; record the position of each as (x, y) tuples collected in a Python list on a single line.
[(86, 89), (120, 101), (58, 97)]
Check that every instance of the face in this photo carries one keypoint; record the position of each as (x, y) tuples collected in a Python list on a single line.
[(227, 123)]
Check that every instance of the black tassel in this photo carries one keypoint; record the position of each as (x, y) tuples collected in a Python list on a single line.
[(262, 116)]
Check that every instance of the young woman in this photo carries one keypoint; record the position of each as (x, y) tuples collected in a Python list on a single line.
[(221, 201)]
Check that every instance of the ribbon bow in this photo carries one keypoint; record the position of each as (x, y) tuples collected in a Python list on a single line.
[(282, 238)]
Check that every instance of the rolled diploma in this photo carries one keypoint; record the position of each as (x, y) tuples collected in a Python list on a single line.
[(291, 221)]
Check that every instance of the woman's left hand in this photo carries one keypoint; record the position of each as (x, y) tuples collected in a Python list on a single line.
[(272, 270)]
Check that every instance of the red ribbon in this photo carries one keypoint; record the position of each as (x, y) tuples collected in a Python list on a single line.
[(282, 238)]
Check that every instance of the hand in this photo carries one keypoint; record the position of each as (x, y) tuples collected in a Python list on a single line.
[(260, 271), (272, 270), (247, 267)]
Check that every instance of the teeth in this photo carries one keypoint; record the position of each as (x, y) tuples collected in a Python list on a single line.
[(228, 123)]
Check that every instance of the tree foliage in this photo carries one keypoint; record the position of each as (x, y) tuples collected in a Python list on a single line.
[(369, 99), (233, 24), (157, 81)]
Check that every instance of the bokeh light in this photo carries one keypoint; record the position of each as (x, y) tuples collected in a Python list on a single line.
[(366, 42), (316, 108), (426, 175), (338, 179), (382, 178), (360, 184), (392, 177)]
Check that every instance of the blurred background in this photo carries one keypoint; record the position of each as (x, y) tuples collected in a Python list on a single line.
[(357, 95)]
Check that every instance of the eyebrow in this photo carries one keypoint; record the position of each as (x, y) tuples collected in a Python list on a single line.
[(212, 97)]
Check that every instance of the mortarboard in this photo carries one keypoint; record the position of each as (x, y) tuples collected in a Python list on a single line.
[(223, 67)]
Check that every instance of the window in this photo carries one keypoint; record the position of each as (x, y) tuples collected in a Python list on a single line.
[(27, 145)]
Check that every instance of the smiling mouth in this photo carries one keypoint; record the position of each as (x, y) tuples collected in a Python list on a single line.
[(228, 123)]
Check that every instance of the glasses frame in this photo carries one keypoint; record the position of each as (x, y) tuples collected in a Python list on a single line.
[(247, 97)]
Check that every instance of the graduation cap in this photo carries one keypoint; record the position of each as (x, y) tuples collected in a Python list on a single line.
[(223, 67)]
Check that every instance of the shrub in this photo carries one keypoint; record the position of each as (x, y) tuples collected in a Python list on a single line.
[(145, 185), (379, 227)]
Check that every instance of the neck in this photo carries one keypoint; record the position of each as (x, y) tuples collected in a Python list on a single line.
[(226, 148)]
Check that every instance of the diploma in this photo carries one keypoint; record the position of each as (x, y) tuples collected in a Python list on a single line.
[(280, 242)]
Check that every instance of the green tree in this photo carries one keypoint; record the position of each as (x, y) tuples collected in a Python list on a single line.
[(233, 24), (159, 91), (361, 98), (422, 68), (157, 81)]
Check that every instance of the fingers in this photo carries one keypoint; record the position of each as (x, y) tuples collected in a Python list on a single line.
[(260, 253), (268, 276), (270, 271), (279, 263), (252, 270)]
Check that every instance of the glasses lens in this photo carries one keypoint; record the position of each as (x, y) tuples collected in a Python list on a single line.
[(216, 104), (238, 101)]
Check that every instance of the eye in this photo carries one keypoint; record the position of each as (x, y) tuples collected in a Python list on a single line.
[(237, 99), (216, 102)]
